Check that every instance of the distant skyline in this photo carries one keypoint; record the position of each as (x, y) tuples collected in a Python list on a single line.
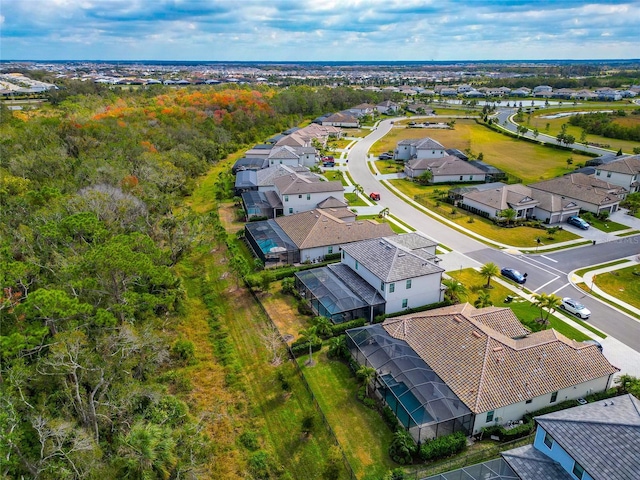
[(319, 30)]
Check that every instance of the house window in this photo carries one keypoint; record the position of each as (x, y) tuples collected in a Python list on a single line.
[(405, 303), (286, 198), (490, 416), (554, 397), (392, 287), (460, 177), (548, 440), (291, 210), (608, 174), (598, 173), (578, 471), (408, 284), (382, 286), (308, 196), (330, 250), (470, 177), (299, 196), (528, 401), (356, 264)]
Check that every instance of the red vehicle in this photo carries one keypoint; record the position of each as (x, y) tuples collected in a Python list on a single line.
[(374, 196)]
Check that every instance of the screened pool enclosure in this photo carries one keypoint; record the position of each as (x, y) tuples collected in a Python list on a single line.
[(421, 400), (338, 293)]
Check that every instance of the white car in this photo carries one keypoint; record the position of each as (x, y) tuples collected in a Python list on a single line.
[(575, 307)]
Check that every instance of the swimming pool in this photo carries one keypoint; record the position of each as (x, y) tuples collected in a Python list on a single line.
[(403, 402)]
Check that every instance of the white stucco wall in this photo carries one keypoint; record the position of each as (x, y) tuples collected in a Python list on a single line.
[(305, 204), (456, 178), (621, 179), (515, 411)]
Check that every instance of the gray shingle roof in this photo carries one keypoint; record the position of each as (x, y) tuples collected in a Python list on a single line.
[(627, 165), (390, 261), (603, 437), (426, 143), (447, 165), (531, 464), (296, 184), (581, 187)]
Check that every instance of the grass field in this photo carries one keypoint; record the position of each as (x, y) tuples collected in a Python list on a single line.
[(361, 431), (354, 200), (389, 166), (333, 175), (523, 309), (554, 124), (622, 284), (524, 159), (394, 227), (606, 226), (517, 236)]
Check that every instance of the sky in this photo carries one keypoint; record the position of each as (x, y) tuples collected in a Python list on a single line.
[(319, 30)]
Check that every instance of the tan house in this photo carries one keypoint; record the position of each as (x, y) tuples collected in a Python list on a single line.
[(468, 368), (589, 193)]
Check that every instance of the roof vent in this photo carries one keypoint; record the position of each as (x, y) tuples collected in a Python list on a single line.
[(476, 334), (497, 349), (457, 320)]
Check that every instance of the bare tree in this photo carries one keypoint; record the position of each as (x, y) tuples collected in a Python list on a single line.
[(272, 341)]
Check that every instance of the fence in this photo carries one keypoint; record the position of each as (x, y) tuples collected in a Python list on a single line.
[(323, 417), (472, 458)]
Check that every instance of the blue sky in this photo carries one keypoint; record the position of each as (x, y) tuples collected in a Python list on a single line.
[(337, 30)]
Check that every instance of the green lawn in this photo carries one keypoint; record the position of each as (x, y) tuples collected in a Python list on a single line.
[(622, 284), (604, 225), (389, 166), (333, 175), (517, 236), (524, 159), (523, 309), (361, 431), (582, 271), (394, 227), (354, 200)]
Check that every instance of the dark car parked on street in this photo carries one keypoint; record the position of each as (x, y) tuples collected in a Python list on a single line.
[(514, 275)]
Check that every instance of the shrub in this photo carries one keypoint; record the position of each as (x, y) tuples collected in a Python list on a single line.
[(390, 418), (284, 382), (304, 308), (259, 464), (402, 447), (342, 327), (443, 446), (303, 348), (184, 351), (249, 440), (288, 286)]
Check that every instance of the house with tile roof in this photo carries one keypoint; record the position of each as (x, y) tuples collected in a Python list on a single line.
[(624, 172), (589, 193), (596, 441), (446, 169), (375, 277), (300, 193), (312, 235), (418, 148), (492, 365), (528, 203), (292, 156), (341, 119)]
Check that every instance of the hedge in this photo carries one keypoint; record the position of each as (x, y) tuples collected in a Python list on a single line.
[(302, 348), (424, 308), (342, 327), (443, 446)]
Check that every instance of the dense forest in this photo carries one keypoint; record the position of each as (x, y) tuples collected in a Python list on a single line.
[(608, 124), (91, 187)]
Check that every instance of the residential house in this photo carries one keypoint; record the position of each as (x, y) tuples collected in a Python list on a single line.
[(259, 151), (542, 91), (362, 109), (310, 236), (375, 277), (420, 108), (491, 199), (387, 107), (292, 156), (301, 193), (448, 169), (263, 179), (589, 193), (341, 119), (249, 163), (608, 94), (624, 172), (595, 441), (418, 148), (468, 368), (521, 92)]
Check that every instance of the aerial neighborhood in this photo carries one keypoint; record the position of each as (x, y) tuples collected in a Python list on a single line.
[(373, 272)]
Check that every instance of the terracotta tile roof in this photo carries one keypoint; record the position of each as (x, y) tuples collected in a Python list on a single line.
[(318, 228), (487, 369)]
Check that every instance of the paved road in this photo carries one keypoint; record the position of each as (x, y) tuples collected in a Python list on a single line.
[(503, 117), (546, 272)]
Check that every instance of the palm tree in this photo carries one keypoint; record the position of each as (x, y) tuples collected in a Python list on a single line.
[(148, 451), (509, 214), (384, 212), (338, 347), (483, 300), (322, 324), (550, 303), (488, 271), (366, 374), (454, 289), (310, 335), (359, 189)]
